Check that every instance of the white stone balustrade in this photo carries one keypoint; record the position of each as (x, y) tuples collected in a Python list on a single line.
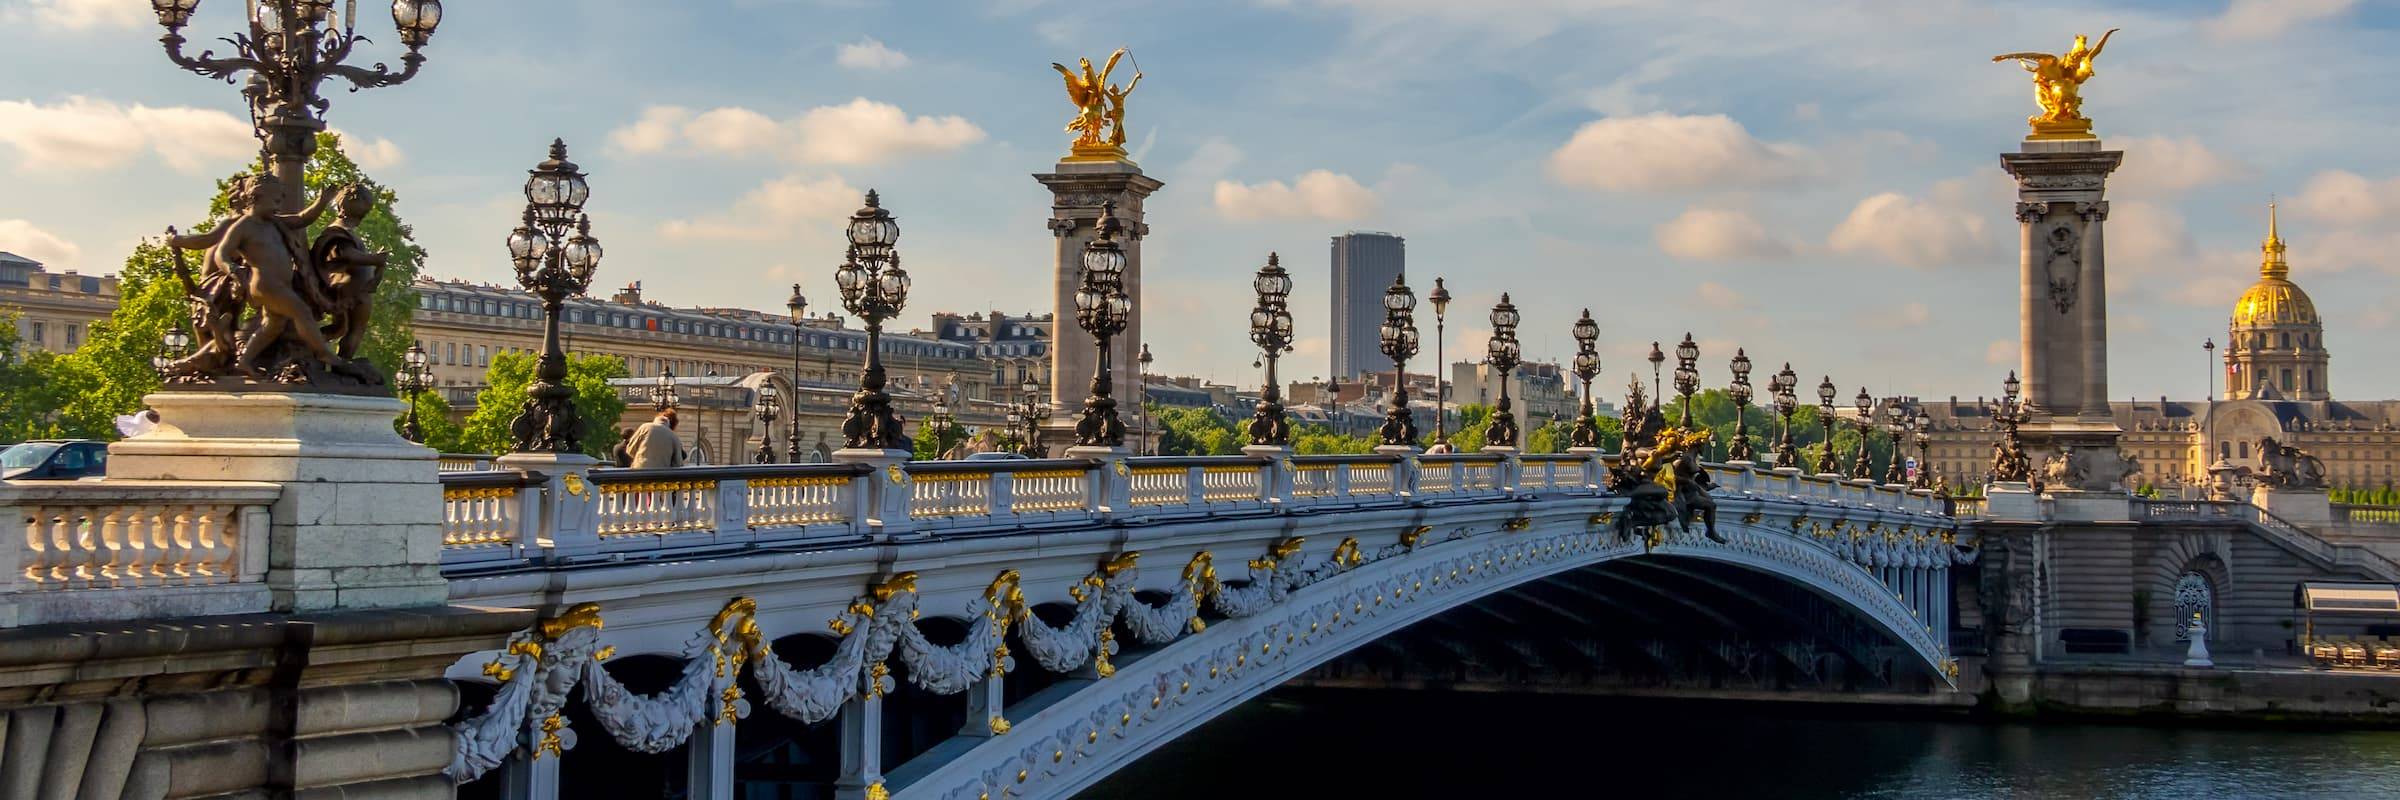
[(80, 551)]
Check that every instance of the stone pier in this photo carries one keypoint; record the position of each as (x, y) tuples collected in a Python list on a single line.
[(1078, 190)]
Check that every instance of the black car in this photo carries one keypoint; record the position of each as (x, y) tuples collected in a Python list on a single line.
[(54, 460)]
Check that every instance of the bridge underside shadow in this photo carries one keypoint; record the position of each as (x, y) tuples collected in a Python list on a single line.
[(1639, 624)]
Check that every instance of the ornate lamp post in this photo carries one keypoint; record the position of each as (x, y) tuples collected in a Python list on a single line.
[(2009, 462), (1441, 382), (555, 255), (173, 343), (798, 305), (874, 287), (1740, 392), (1587, 367), (413, 380), (1333, 406), (1503, 353), (662, 396), (941, 421), (1785, 385), (1899, 421), (1923, 430), (1399, 341), (768, 403), (1687, 376), (1025, 420), (1658, 385), (1864, 467), (291, 47), (1825, 393), (1102, 308), (1271, 330), (1141, 405)]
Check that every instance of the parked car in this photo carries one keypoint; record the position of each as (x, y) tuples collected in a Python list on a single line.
[(996, 455), (54, 460)]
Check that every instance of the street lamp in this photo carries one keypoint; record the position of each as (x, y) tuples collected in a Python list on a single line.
[(1503, 353), (1864, 468), (1587, 367), (413, 379), (798, 305), (1658, 385), (1897, 421), (1740, 392), (291, 47), (874, 287), (1687, 376), (1924, 439), (1333, 406), (1441, 386), (768, 403), (1825, 393), (1141, 407), (1271, 330), (941, 421), (1785, 385), (555, 255), (1026, 418), (172, 346), (662, 395), (1102, 308), (2208, 347), (2010, 463), (1399, 341)]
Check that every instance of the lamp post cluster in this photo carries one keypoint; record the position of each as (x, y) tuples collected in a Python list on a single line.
[(1863, 467), (662, 395), (769, 402), (1587, 367), (1785, 386), (798, 305), (943, 418), (555, 255), (1503, 353), (290, 48), (2009, 462), (1921, 431), (1102, 308), (1271, 330), (1025, 419), (1825, 393), (1399, 341), (874, 287), (1687, 376), (415, 378), (1441, 383), (1740, 392)]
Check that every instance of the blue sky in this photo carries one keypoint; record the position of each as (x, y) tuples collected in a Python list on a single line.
[(1816, 182)]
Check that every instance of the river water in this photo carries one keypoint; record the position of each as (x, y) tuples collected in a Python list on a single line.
[(1342, 744)]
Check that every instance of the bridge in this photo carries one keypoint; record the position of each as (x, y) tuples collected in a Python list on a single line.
[(1141, 597)]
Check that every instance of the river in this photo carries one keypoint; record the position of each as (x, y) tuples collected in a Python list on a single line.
[(1340, 744)]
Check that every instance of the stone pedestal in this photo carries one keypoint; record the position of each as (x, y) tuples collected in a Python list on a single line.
[(1276, 482), (359, 521), (1404, 474), (568, 500), (2063, 311), (2079, 506), (887, 500), (2011, 500), (1112, 490), (2308, 508), (1078, 189)]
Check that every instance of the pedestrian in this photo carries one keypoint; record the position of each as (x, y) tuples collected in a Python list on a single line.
[(618, 454), (654, 446)]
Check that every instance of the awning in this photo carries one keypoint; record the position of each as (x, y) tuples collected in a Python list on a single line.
[(2354, 598)]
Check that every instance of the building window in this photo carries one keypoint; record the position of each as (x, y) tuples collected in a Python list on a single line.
[(2311, 374), (74, 335), (38, 333), (483, 355), (2287, 379)]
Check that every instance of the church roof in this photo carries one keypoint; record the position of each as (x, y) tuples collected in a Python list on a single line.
[(2275, 299)]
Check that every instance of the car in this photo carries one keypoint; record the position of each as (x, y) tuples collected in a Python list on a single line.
[(996, 455), (54, 460)]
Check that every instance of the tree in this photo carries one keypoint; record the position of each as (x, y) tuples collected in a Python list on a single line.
[(28, 399), (932, 441), (109, 375), (1473, 418), (433, 417), (1552, 437), (1195, 432), (1318, 440), (503, 398)]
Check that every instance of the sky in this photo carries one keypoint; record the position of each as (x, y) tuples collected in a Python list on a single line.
[(1815, 182)]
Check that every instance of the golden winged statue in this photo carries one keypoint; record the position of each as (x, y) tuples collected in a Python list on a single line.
[(2057, 87), (1099, 123)]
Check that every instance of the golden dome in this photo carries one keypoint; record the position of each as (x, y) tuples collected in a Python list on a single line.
[(2274, 300)]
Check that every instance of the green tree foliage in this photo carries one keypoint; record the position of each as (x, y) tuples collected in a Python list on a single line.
[(1551, 437), (932, 440), (1319, 440), (110, 373), (1473, 419), (28, 398), (433, 417), (503, 397), (1195, 432)]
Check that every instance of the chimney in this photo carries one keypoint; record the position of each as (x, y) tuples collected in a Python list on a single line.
[(630, 295)]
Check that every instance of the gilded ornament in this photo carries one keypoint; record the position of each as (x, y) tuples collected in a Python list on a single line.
[(573, 483), (2058, 88), (1409, 540), (875, 791), (1099, 123)]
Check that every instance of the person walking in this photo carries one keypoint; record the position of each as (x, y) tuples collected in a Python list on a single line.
[(654, 445), (618, 455)]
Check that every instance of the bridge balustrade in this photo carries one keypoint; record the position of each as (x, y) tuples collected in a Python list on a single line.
[(91, 551), (464, 462)]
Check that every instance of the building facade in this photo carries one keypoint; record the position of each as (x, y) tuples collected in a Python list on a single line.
[(55, 310), (1364, 264), (2277, 386), (1539, 390), (1014, 348)]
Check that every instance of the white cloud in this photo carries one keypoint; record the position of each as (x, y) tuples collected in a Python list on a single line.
[(1911, 232), (82, 133), (76, 15), (861, 131), (2001, 351), (2347, 198), (869, 54), (25, 239), (371, 153), (2146, 239), (1719, 296), (2157, 166), (1711, 234), (1318, 194), (1209, 161), (774, 210), (1667, 151), (2264, 19)]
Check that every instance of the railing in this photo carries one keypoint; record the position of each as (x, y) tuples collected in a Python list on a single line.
[(2354, 514), (464, 462), (2275, 527), (504, 516), (120, 535)]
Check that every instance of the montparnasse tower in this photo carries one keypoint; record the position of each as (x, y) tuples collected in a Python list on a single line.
[(2276, 341)]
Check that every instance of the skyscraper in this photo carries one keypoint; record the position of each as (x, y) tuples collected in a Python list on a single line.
[(1364, 264)]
